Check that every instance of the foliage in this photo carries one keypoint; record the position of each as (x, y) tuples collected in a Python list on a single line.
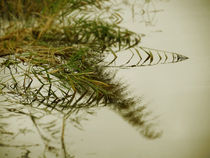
[(54, 62)]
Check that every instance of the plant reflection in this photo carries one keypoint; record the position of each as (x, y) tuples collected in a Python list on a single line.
[(55, 72)]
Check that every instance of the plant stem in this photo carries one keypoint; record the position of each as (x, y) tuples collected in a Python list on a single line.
[(62, 137)]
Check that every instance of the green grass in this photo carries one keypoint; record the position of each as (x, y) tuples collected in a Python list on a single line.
[(55, 54)]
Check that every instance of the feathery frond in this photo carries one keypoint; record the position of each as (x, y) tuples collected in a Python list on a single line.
[(54, 60)]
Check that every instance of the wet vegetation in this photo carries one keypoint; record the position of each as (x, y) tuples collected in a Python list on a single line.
[(55, 68)]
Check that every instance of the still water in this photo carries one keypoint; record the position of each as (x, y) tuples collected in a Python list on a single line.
[(179, 94)]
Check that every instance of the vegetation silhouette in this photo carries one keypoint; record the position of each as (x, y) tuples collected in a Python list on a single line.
[(54, 69)]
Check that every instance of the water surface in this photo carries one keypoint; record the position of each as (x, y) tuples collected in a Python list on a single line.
[(179, 93)]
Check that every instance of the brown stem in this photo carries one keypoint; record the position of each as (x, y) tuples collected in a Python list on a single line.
[(62, 137), (18, 146), (4, 53)]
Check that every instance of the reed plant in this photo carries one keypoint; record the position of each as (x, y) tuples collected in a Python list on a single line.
[(54, 62)]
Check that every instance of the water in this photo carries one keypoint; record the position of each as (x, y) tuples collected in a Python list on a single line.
[(177, 93)]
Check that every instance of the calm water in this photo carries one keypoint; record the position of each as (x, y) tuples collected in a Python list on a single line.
[(178, 93)]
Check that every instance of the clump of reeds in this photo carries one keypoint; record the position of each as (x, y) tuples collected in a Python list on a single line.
[(54, 52)]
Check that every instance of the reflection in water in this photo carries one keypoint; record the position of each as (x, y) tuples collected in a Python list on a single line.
[(143, 56), (144, 11), (53, 126), (50, 88)]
